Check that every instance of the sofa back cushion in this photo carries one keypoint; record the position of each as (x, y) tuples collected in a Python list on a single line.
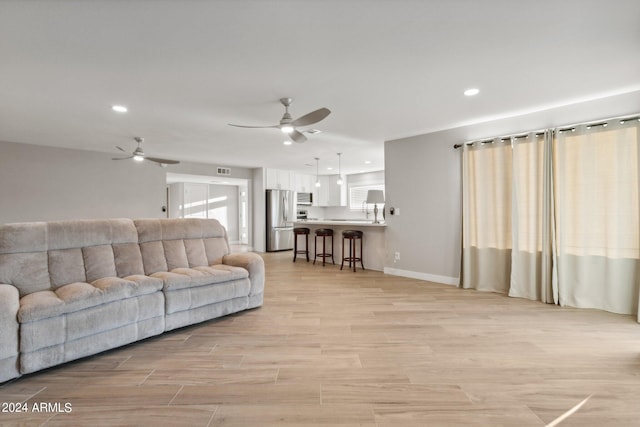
[(167, 244), (23, 257), (46, 255)]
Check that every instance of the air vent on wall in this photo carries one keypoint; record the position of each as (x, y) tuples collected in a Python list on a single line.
[(224, 171)]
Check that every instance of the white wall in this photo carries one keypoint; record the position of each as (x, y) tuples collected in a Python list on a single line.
[(422, 178), (259, 206), (44, 183)]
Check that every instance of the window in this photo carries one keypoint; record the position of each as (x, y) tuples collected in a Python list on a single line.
[(358, 196)]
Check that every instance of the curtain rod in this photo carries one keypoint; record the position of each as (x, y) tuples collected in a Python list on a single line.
[(566, 128)]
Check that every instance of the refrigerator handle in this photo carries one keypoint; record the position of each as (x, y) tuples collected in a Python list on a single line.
[(285, 211)]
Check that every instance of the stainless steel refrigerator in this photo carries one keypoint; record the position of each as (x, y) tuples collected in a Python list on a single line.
[(280, 216)]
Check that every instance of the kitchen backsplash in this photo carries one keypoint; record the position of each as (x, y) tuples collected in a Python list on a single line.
[(338, 212)]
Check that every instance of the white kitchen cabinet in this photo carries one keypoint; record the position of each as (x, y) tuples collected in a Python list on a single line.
[(330, 193), (322, 197), (304, 183), (278, 179)]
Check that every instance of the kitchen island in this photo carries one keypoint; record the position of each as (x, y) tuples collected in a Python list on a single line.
[(373, 242)]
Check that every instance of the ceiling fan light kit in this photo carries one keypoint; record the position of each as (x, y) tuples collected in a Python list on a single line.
[(138, 155), (289, 126)]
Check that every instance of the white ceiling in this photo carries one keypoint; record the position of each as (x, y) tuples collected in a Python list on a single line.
[(386, 69)]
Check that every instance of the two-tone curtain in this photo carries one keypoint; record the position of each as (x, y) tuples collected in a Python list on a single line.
[(553, 216), (596, 199)]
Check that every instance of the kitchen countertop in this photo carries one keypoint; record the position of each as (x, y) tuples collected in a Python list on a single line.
[(358, 222)]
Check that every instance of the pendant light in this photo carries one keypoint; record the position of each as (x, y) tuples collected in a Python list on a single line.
[(339, 182), (317, 173)]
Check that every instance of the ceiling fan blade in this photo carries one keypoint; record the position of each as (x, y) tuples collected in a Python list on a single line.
[(121, 158), (122, 149), (312, 117), (164, 161), (253, 127), (297, 136)]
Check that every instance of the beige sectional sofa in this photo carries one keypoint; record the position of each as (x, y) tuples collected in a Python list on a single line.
[(69, 289)]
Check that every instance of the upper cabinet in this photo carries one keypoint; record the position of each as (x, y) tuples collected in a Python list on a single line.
[(330, 193), (304, 183), (277, 179)]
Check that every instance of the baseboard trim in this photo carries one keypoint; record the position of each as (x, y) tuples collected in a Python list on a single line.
[(422, 276)]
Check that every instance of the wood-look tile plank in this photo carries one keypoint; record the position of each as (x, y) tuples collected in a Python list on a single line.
[(342, 376), (248, 394), (418, 394), (82, 394), (221, 376), (295, 415), (156, 416), (407, 415)]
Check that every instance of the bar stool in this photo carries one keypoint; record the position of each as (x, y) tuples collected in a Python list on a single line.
[(300, 231), (352, 236), (324, 233)]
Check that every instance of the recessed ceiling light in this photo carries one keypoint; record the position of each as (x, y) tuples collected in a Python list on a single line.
[(329, 168), (367, 162), (471, 92), (287, 142), (119, 108)]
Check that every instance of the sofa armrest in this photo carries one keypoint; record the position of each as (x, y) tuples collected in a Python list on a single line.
[(9, 305), (253, 263)]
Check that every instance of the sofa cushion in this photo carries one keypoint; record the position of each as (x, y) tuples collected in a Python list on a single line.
[(81, 295), (198, 278), (216, 248), (175, 253), (181, 278), (28, 272), (78, 233), (66, 266), (23, 237), (128, 259), (223, 272), (173, 281), (149, 230), (144, 284), (39, 305), (153, 257), (196, 254), (99, 262)]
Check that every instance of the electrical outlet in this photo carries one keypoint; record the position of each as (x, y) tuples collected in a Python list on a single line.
[(396, 257)]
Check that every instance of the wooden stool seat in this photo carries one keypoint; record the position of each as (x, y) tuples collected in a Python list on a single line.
[(301, 231), (352, 236), (324, 233)]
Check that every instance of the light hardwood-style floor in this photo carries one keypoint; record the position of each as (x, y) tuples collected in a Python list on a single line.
[(337, 348)]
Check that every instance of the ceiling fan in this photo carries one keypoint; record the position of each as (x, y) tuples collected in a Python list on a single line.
[(288, 125), (139, 155)]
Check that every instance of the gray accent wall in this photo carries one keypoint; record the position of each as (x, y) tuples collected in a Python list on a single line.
[(39, 183), (42, 183), (422, 178)]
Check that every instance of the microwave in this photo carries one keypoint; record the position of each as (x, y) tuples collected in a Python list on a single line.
[(305, 198)]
